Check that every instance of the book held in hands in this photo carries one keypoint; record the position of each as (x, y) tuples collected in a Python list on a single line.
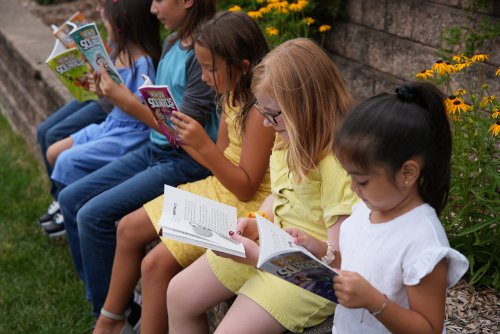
[(62, 32), (280, 256), (161, 102), (199, 221), (89, 42), (70, 67)]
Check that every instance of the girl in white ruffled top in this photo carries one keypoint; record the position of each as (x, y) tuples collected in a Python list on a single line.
[(395, 259)]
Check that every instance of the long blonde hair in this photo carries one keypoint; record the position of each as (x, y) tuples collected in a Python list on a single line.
[(311, 96)]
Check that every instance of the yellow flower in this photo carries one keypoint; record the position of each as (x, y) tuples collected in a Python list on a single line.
[(309, 20), (495, 128), (487, 100), (273, 1), (460, 92), (298, 7), (496, 113), (460, 58), (498, 72), (265, 10), (235, 8), (271, 31), (425, 74), (324, 28), (456, 105), (460, 66), (479, 57), (441, 67), (255, 14)]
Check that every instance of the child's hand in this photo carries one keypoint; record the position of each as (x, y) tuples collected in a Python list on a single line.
[(353, 291), (94, 79), (315, 246), (109, 88), (190, 131), (251, 250), (247, 227)]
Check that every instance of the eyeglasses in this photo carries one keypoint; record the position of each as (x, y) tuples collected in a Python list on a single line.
[(270, 116)]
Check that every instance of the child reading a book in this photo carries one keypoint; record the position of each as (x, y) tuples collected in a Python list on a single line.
[(67, 120), (301, 95), (396, 259), (92, 205), (136, 52), (228, 47)]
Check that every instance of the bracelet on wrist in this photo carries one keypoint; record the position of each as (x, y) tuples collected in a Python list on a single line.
[(251, 214), (380, 310), (330, 253)]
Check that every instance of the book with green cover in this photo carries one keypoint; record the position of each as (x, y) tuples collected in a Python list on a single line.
[(70, 68)]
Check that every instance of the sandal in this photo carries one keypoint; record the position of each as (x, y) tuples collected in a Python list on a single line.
[(127, 328)]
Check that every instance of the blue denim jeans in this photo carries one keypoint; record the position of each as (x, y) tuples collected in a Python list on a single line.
[(92, 205), (64, 122)]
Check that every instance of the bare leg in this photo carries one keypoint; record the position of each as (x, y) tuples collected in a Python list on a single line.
[(246, 316), (55, 149), (134, 233), (157, 269), (192, 292)]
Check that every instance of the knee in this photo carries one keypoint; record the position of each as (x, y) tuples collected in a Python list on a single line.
[(125, 231), (150, 265)]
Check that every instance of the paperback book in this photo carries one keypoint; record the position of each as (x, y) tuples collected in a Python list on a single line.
[(89, 42), (280, 256), (199, 221), (71, 69), (161, 102), (62, 32)]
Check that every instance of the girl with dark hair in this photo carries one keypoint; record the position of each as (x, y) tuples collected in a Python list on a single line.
[(92, 205), (136, 51), (228, 47), (396, 260)]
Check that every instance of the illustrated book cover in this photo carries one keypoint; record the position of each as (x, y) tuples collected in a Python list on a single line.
[(161, 102), (280, 256), (62, 32), (89, 42), (71, 69), (199, 221)]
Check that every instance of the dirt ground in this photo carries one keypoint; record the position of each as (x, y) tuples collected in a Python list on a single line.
[(468, 309)]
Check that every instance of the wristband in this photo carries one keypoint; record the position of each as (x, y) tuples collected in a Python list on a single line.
[(251, 214), (330, 253), (380, 310)]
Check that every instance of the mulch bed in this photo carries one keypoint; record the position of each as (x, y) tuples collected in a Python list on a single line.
[(468, 309)]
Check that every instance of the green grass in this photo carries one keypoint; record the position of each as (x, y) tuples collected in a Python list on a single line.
[(39, 289)]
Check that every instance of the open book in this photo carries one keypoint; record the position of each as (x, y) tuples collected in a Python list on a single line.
[(161, 102), (280, 256), (62, 32), (199, 221), (89, 42), (70, 68)]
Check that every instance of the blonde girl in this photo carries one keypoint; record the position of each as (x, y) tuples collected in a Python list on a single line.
[(301, 95), (227, 47)]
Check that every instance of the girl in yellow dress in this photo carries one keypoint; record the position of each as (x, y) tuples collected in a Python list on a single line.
[(228, 47), (301, 95)]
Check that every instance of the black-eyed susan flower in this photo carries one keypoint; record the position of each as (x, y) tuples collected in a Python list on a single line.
[(495, 113), (495, 128), (479, 57), (440, 67), (460, 58), (309, 20), (324, 28), (425, 74), (460, 66), (265, 10), (271, 31), (235, 8), (255, 14), (456, 106), (487, 100), (460, 92)]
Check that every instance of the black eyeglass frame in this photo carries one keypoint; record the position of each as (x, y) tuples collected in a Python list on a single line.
[(270, 116)]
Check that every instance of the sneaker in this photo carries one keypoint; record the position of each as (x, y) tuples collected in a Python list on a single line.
[(47, 217), (55, 227)]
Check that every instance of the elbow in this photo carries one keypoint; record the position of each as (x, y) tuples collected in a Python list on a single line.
[(246, 194)]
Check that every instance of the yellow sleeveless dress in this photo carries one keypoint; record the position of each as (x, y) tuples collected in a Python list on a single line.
[(211, 188)]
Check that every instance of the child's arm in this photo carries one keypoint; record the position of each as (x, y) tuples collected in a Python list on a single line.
[(244, 179), (426, 299), (122, 97)]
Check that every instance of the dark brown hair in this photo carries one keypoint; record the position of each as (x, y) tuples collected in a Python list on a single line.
[(200, 11), (235, 37)]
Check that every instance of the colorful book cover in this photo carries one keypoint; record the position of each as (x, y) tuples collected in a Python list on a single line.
[(89, 42), (71, 69), (62, 32), (160, 101)]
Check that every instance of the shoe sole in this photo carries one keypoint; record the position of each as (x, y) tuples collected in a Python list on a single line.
[(56, 234), (45, 223)]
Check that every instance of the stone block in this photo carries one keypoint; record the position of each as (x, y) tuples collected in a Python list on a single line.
[(354, 10), (400, 19), (374, 14)]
